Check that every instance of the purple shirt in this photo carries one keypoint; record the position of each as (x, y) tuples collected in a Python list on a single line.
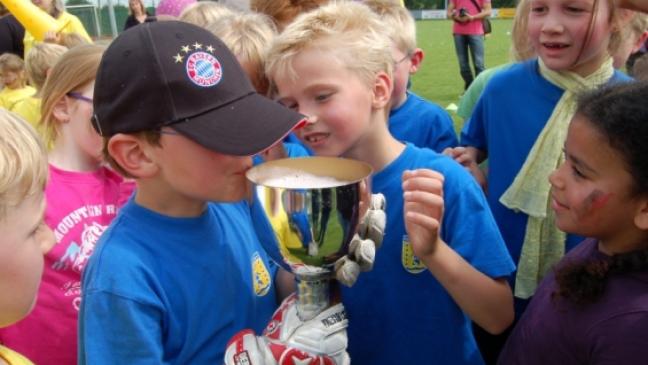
[(614, 330)]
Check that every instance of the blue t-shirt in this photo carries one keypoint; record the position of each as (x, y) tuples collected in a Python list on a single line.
[(398, 312), (422, 123), (507, 120), (165, 290)]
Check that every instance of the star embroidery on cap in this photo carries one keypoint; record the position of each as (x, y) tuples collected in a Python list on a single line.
[(210, 49), (186, 49), (197, 45), (178, 58)]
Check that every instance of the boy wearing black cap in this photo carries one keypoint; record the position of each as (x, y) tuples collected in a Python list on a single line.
[(175, 276)]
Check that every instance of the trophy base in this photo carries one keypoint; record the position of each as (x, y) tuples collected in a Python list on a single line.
[(313, 293)]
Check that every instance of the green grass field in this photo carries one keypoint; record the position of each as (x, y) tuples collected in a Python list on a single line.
[(438, 79)]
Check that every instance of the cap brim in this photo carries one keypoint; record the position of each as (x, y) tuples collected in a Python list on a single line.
[(242, 128)]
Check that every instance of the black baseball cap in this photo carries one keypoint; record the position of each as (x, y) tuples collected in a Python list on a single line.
[(179, 75)]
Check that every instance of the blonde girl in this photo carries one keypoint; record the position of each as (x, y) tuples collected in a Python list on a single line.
[(82, 198), (521, 121)]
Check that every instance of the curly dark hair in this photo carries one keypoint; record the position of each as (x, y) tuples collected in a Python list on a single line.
[(620, 113)]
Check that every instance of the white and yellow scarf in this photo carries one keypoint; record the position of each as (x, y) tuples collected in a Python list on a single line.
[(544, 243)]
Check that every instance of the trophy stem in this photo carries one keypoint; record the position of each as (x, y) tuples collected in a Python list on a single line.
[(313, 293)]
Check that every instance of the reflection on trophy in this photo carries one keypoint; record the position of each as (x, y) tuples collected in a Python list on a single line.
[(314, 205)]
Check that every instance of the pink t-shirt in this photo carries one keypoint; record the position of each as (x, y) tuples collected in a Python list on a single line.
[(80, 207), (470, 28)]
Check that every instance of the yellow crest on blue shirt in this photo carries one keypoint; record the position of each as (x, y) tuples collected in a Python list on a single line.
[(411, 263), (260, 276)]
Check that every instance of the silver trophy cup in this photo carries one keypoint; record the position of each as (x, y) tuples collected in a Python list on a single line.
[(314, 205)]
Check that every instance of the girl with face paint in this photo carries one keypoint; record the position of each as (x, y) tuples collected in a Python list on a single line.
[(593, 308)]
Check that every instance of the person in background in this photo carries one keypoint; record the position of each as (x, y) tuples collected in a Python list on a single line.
[(83, 196), (412, 119), (137, 14), (12, 74), (40, 59), (592, 308), (67, 23), (248, 36), (468, 35), (283, 12), (204, 13), (11, 33), (25, 236), (171, 9)]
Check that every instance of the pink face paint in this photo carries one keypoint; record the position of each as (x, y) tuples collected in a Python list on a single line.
[(594, 201)]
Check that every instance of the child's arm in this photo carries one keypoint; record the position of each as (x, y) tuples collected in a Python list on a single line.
[(487, 301)]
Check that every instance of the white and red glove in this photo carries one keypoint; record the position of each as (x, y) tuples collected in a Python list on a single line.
[(287, 340), (363, 246)]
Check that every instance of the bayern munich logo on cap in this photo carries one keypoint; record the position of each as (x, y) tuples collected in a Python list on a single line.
[(204, 69)]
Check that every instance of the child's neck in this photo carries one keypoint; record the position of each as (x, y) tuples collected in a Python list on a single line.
[(378, 148), (399, 101), (69, 157), (156, 195)]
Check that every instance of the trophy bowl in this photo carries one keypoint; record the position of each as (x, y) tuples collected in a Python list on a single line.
[(314, 205)]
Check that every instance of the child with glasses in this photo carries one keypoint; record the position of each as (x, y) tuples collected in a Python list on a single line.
[(412, 118), (82, 196)]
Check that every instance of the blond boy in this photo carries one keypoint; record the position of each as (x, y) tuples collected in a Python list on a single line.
[(25, 237), (335, 66)]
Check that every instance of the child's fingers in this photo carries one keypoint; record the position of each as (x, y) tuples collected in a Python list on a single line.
[(425, 203), (433, 183), (422, 220)]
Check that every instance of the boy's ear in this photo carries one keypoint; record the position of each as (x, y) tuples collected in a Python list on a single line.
[(641, 217), (415, 60), (132, 154), (61, 110), (382, 90), (640, 41)]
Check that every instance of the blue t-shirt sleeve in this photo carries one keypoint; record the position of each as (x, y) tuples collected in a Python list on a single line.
[(469, 227), (118, 330), (444, 135)]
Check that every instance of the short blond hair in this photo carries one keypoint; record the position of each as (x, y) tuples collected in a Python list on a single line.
[(399, 23), (248, 36), (205, 12), (350, 31), (23, 162), (40, 58)]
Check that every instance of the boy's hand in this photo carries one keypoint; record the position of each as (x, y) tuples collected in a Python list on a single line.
[(467, 160), (423, 209), (287, 340), (362, 249)]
